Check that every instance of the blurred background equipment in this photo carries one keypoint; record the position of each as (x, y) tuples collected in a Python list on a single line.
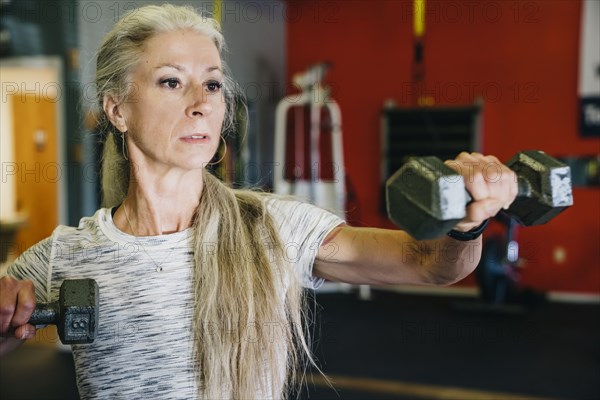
[(309, 155), (589, 70), (498, 275), (585, 170)]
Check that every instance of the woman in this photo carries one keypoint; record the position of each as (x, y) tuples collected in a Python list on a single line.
[(201, 285)]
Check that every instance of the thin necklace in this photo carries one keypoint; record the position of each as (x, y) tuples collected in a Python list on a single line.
[(159, 268)]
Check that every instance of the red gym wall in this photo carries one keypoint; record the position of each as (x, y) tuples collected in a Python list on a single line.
[(521, 58)]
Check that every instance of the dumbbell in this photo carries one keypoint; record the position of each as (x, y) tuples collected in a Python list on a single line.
[(75, 313), (426, 198)]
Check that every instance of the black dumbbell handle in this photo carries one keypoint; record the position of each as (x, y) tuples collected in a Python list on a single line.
[(524, 187), (45, 313)]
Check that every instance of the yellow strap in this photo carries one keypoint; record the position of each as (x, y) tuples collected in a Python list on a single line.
[(419, 17), (217, 10)]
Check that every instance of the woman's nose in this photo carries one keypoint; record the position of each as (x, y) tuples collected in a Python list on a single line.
[(199, 103)]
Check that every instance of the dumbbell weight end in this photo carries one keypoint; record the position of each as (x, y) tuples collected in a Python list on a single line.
[(417, 198), (545, 187)]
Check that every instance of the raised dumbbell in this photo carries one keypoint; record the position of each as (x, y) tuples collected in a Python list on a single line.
[(75, 313), (426, 198)]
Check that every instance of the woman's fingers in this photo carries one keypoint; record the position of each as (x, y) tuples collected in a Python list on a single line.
[(491, 184)]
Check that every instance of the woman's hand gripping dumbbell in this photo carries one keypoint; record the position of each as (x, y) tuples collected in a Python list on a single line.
[(75, 313), (428, 197)]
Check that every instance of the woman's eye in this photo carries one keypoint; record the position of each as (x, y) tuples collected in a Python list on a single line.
[(172, 83), (213, 86)]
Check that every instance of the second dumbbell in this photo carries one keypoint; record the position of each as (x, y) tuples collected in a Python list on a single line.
[(75, 313)]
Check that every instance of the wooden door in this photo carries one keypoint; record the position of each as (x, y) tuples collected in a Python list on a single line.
[(38, 170)]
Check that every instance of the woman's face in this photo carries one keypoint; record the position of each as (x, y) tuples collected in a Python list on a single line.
[(175, 109)]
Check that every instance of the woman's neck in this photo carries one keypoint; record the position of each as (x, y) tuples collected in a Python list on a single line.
[(159, 205)]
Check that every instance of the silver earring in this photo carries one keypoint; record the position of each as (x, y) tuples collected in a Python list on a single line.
[(123, 146)]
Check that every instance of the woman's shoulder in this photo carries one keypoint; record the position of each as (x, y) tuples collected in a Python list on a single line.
[(89, 229), (291, 205), (37, 262), (87, 224), (293, 216), (296, 215)]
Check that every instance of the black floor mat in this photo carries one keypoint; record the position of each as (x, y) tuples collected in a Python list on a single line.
[(550, 350)]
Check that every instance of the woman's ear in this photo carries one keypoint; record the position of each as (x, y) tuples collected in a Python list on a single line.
[(113, 111)]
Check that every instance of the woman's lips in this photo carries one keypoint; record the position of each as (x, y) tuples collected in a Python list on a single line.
[(195, 138)]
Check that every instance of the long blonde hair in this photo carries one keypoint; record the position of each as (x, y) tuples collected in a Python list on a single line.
[(249, 308)]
